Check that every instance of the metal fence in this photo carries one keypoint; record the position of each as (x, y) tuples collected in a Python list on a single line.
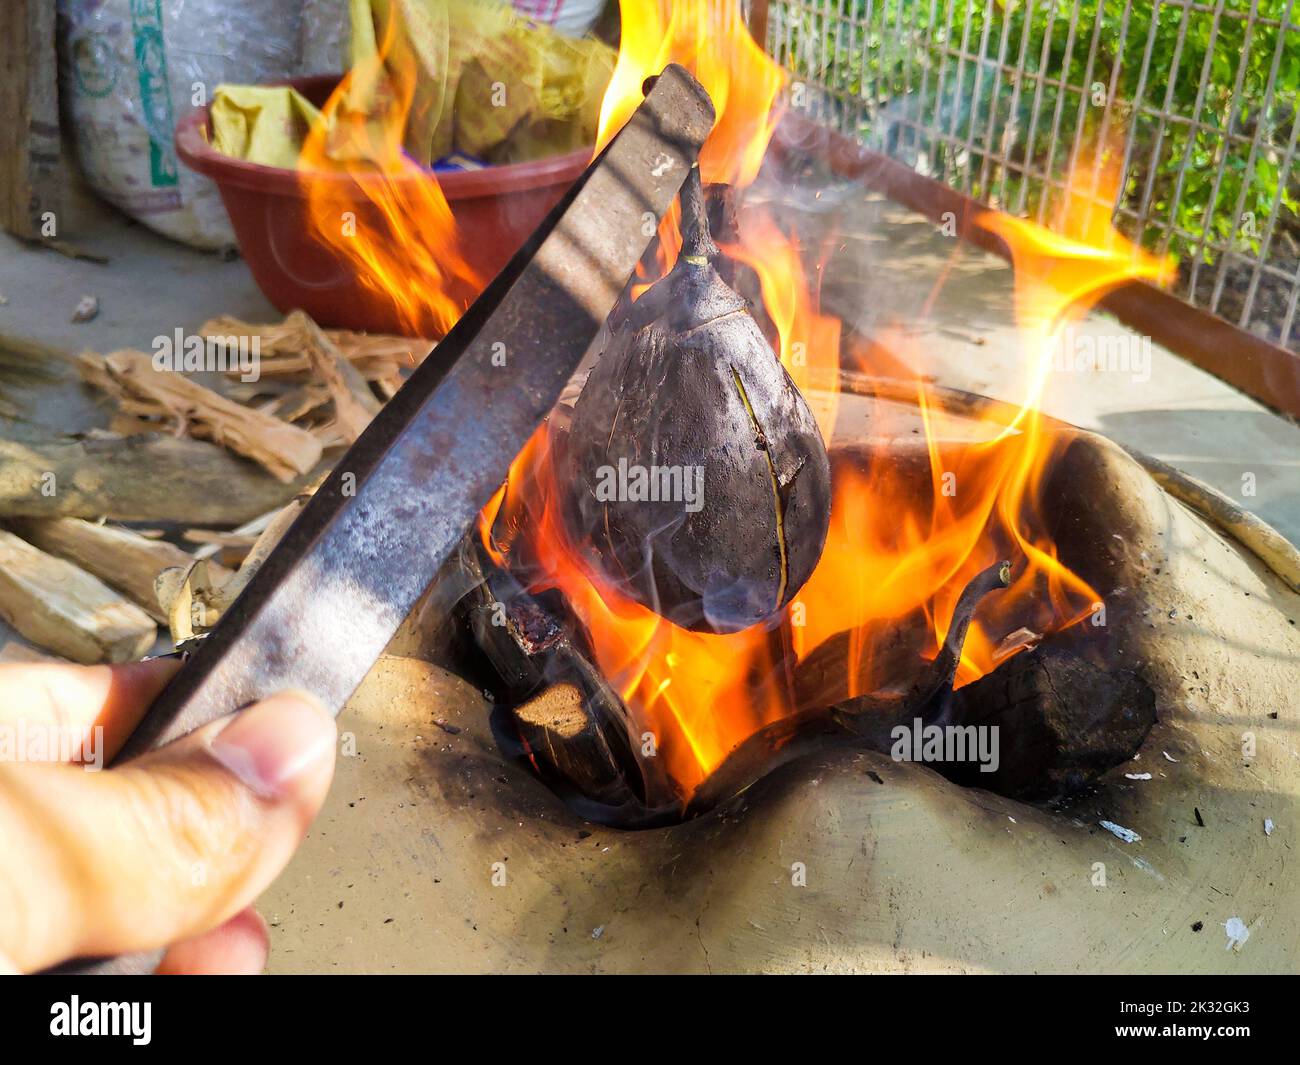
[(1191, 109)]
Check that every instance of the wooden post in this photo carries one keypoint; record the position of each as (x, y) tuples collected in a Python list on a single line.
[(31, 177), (758, 21)]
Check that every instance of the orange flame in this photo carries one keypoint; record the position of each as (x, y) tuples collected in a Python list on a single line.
[(909, 527), (911, 522), (398, 233), (710, 39)]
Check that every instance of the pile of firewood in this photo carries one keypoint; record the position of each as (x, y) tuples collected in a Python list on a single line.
[(177, 459)]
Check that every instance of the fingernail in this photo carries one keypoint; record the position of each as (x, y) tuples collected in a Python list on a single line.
[(276, 741)]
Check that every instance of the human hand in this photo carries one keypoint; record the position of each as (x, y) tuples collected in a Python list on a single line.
[(168, 850)]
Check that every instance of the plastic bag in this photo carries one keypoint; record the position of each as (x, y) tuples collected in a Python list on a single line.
[(484, 84), (130, 68), (487, 81), (324, 37), (263, 124), (573, 18)]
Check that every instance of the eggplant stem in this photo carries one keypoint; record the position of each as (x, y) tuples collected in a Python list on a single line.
[(933, 695), (697, 243)]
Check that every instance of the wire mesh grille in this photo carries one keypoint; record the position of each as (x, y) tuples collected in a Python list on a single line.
[(1177, 118)]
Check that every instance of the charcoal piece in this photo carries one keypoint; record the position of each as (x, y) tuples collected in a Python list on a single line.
[(1063, 721)]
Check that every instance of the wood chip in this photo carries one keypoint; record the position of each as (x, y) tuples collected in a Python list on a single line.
[(354, 403), (1019, 640), (192, 600), (219, 538), (191, 409), (299, 403), (283, 345)]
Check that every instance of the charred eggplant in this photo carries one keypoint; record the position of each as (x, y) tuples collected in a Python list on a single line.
[(698, 479)]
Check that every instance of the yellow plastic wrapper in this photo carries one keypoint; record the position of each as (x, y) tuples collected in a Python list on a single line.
[(261, 123), (481, 80), (528, 94)]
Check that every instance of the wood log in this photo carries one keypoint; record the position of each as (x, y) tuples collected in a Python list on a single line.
[(284, 450), (1063, 719), (925, 689), (560, 732), (830, 673), (64, 609), (150, 478), (121, 558), (575, 729)]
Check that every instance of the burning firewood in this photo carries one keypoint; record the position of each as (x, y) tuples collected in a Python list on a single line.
[(689, 387), (929, 695), (578, 734), (571, 726), (559, 731), (121, 558), (58, 606), (284, 450), (868, 720)]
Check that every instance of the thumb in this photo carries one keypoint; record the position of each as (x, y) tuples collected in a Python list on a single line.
[(164, 847)]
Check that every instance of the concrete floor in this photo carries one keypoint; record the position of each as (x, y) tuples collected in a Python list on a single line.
[(149, 286)]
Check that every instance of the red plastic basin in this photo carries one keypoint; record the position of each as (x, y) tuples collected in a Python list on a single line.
[(495, 209)]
